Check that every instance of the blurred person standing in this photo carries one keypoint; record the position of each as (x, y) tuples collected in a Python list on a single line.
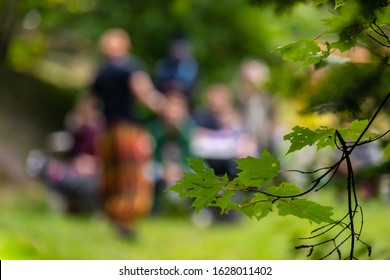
[(257, 108), (125, 147), (179, 70)]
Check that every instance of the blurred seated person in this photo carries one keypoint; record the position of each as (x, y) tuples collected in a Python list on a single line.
[(171, 133), (221, 137), (179, 70), (75, 178)]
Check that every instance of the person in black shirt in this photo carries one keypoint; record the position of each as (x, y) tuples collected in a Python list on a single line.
[(125, 147)]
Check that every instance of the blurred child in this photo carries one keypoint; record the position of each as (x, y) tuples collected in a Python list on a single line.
[(75, 179), (172, 133)]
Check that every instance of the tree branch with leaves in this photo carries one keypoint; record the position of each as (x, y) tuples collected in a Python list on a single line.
[(355, 22)]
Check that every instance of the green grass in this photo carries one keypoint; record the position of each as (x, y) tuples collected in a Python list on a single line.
[(29, 229)]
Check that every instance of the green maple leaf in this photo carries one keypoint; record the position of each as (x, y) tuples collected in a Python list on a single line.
[(307, 51), (223, 200), (299, 138), (354, 130), (203, 186), (305, 209), (204, 197), (262, 203), (325, 137), (299, 50), (284, 189), (346, 39), (259, 207), (256, 171)]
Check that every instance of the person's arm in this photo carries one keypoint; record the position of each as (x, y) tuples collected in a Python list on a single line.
[(143, 88)]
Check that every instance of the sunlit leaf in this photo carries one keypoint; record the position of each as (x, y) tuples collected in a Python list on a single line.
[(354, 130), (338, 4), (324, 137), (315, 59), (299, 138), (256, 171), (300, 50)]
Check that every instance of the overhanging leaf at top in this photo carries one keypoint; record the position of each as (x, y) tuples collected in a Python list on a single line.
[(338, 4), (319, 2)]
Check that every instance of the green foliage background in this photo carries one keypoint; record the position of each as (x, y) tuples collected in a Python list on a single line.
[(222, 34), (43, 40)]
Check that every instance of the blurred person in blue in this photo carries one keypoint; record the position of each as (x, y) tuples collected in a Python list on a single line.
[(125, 147), (179, 70)]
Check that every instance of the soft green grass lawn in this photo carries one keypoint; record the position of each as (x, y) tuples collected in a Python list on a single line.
[(29, 229)]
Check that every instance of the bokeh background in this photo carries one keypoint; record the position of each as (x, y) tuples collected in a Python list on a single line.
[(48, 56)]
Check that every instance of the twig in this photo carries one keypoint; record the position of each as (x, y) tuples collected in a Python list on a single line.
[(350, 189), (371, 121)]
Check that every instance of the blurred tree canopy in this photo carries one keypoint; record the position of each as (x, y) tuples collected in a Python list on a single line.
[(51, 37), (37, 33)]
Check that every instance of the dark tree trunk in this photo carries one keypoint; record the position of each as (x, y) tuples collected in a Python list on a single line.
[(7, 27)]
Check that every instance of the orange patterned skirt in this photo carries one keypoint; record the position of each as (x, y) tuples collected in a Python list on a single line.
[(127, 186)]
